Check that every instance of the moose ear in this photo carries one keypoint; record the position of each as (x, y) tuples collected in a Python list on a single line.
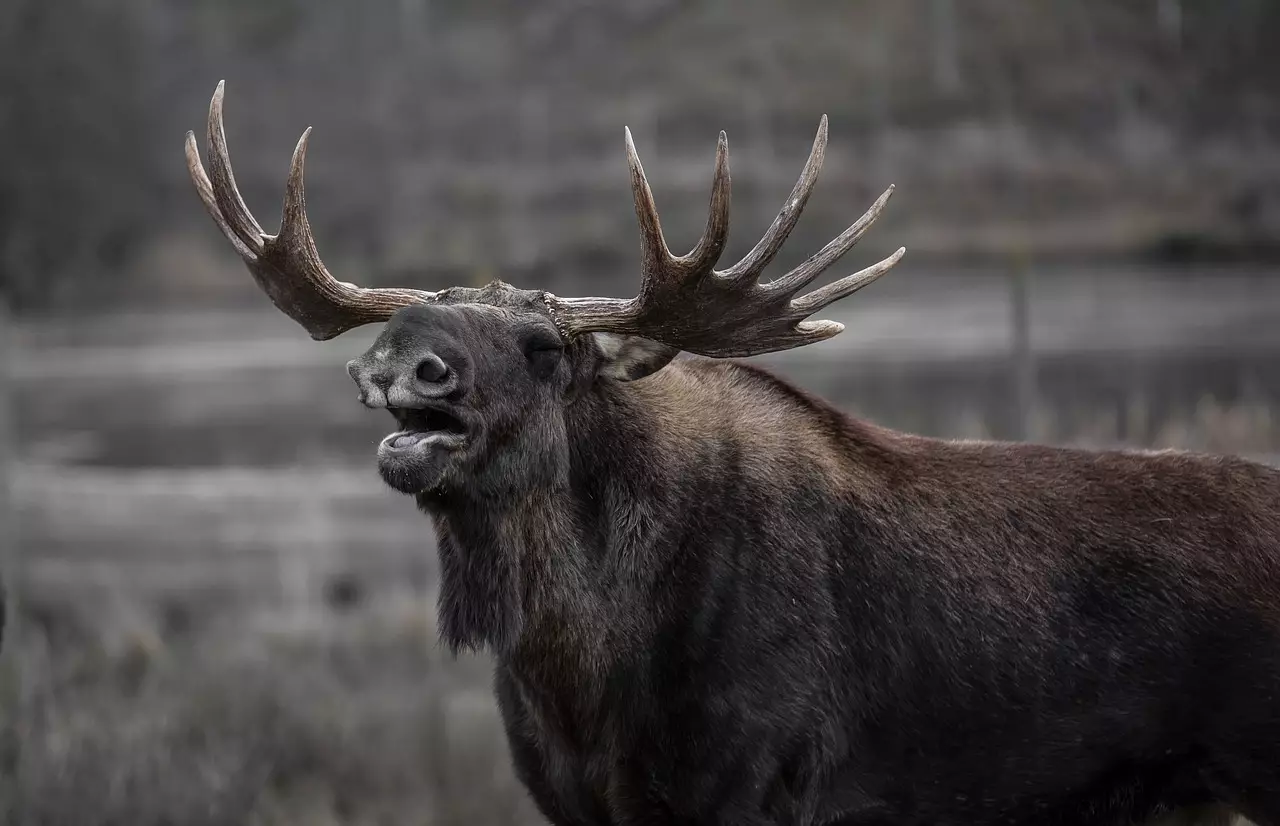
[(627, 358)]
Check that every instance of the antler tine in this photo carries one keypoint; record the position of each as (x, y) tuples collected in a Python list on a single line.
[(295, 233), (653, 246), (763, 253), (801, 276), (658, 261), (685, 303), (705, 255), (287, 266), (224, 181), (204, 187), (810, 303)]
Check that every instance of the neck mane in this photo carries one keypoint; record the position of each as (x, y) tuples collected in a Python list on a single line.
[(556, 563), (512, 567)]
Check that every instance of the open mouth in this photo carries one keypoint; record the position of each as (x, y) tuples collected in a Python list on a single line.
[(425, 428)]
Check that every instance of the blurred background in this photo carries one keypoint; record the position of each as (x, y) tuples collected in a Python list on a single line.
[(219, 614)]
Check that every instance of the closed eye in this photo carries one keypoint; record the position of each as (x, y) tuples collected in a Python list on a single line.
[(542, 344), (543, 351)]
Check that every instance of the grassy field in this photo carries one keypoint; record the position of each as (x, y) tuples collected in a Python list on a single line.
[(227, 619)]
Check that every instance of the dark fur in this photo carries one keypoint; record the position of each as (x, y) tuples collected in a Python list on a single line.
[(714, 598)]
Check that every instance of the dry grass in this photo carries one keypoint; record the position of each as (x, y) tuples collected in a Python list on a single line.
[(1245, 428), (353, 720)]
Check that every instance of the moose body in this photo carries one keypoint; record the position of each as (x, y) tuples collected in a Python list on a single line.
[(713, 598), (740, 606)]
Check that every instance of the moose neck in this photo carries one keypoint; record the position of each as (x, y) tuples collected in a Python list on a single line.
[(555, 570), (544, 567)]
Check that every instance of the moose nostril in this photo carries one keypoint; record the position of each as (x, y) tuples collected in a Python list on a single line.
[(432, 369)]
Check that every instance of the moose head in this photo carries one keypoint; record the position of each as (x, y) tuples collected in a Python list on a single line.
[(478, 380)]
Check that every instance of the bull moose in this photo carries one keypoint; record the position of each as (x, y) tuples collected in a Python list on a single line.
[(713, 598)]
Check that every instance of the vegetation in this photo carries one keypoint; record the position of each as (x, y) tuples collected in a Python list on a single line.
[(454, 143), (348, 719)]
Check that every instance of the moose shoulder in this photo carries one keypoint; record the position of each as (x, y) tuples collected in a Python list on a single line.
[(714, 598)]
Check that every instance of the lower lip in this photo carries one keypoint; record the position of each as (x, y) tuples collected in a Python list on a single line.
[(402, 441)]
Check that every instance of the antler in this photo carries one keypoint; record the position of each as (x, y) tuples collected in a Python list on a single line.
[(287, 266), (685, 302)]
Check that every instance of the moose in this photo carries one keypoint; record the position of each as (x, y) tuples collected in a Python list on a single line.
[(711, 597)]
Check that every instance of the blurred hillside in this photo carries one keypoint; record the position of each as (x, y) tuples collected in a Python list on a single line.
[(458, 141)]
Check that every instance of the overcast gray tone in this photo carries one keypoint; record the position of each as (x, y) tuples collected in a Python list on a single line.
[(220, 615)]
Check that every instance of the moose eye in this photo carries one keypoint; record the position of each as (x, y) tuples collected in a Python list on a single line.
[(541, 342), (543, 351)]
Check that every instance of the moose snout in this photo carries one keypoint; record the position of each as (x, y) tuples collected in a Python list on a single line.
[(392, 380)]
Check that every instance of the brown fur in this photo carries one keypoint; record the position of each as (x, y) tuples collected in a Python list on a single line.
[(713, 597)]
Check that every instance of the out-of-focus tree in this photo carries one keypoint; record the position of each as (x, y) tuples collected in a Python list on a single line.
[(75, 188), (946, 57), (10, 602), (1169, 20), (456, 141)]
